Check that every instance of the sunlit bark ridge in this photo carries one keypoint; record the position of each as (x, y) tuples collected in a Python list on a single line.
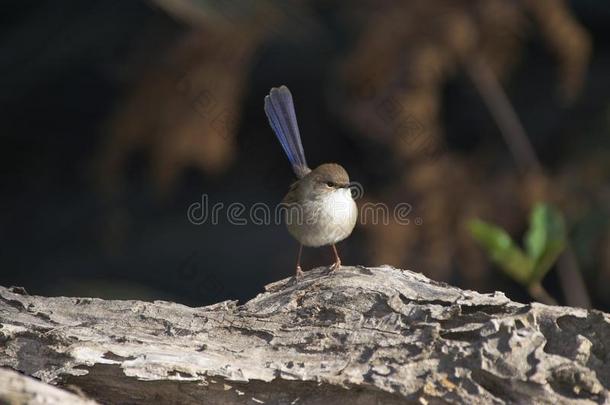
[(358, 335)]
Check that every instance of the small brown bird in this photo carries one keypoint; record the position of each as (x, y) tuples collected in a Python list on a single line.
[(319, 208)]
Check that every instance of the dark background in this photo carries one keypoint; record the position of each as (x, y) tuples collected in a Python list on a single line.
[(89, 208)]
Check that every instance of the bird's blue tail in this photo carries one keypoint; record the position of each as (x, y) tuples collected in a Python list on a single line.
[(280, 111)]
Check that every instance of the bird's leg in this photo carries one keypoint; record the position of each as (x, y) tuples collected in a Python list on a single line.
[(299, 272), (337, 263)]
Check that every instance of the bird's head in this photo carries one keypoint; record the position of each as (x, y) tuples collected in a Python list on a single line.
[(329, 178)]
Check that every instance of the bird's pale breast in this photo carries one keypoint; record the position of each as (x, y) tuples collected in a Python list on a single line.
[(324, 220)]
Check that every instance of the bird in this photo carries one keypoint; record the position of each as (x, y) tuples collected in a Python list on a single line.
[(319, 209)]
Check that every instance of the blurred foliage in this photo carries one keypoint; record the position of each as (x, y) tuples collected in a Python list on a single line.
[(408, 63), (391, 78), (544, 241), (387, 87), (502, 250)]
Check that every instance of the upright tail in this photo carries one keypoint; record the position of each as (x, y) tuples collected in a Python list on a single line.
[(280, 111)]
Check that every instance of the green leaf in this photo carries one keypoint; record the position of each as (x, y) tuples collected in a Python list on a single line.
[(502, 250), (545, 239)]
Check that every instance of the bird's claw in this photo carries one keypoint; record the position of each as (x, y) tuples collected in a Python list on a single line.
[(299, 273), (335, 266)]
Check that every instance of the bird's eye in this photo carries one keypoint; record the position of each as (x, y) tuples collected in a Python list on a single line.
[(330, 184)]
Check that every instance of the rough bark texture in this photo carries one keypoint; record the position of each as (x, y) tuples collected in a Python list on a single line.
[(19, 389), (359, 335)]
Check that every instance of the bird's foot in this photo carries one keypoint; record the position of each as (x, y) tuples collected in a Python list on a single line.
[(335, 266), (299, 273)]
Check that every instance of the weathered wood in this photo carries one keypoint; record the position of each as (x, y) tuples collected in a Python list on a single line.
[(19, 389), (359, 335)]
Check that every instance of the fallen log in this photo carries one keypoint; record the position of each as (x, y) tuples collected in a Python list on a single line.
[(359, 335)]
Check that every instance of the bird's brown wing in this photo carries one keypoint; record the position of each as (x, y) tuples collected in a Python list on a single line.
[(292, 196)]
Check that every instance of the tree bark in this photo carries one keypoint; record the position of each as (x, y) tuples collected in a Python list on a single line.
[(358, 335), (19, 389)]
